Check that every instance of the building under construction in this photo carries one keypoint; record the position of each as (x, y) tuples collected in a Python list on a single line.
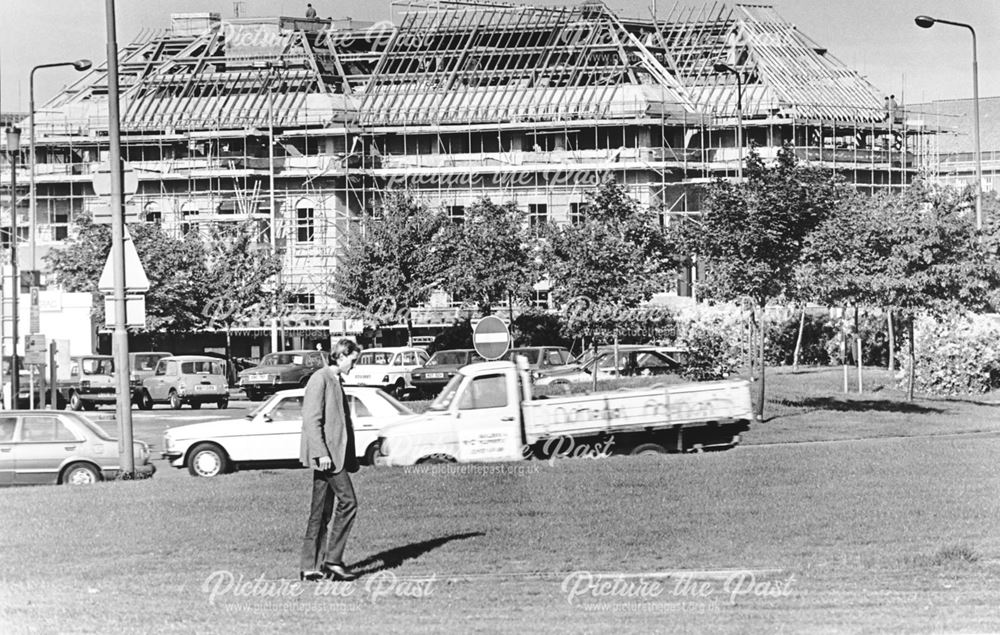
[(301, 125)]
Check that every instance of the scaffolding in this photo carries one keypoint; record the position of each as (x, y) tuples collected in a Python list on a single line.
[(306, 124)]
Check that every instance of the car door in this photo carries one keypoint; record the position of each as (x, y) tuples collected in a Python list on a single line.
[(8, 424), (273, 435), (156, 385), (487, 419), (44, 445)]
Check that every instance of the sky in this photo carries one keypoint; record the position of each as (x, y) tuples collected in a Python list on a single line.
[(876, 37)]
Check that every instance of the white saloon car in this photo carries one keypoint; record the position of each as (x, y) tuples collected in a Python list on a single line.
[(270, 434), (391, 369)]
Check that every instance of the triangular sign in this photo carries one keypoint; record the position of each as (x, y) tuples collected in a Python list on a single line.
[(135, 275)]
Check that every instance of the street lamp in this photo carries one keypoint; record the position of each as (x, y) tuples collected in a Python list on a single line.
[(926, 22), (80, 65), (726, 68), (13, 143)]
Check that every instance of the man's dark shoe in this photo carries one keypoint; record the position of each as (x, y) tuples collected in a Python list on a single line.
[(338, 572), (311, 576)]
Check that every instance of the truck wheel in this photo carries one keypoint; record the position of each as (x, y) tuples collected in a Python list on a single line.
[(175, 400), (223, 403), (208, 460), (398, 389), (75, 403), (437, 459), (648, 448)]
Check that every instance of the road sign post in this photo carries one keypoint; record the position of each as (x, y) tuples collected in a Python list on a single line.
[(491, 337)]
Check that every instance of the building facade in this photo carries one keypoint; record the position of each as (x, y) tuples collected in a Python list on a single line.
[(301, 126)]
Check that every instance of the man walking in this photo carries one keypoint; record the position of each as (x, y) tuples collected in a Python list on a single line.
[(328, 448)]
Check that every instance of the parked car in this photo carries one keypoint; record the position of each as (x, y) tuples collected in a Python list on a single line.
[(271, 433), (186, 379), (429, 379), (91, 382), (632, 361), (46, 446), (541, 359), (388, 368), (281, 371), (142, 364)]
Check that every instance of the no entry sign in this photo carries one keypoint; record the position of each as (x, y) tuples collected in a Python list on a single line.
[(491, 337)]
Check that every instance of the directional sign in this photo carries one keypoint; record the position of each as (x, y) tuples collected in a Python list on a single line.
[(491, 337)]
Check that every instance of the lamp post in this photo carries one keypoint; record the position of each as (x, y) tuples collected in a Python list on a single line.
[(13, 143), (926, 22), (726, 68), (80, 65)]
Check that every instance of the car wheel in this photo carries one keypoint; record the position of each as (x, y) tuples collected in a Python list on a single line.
[(207, 460), (437, 459), (371, 453), (398, 389), (223, 404), (253, 394), (75, 403), (648, 448), (175, 400), (81, 474), (145, 401)]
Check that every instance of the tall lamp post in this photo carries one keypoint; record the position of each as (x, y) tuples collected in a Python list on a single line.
[(13, 143), (80, 65), (926, 22), (726, 68)]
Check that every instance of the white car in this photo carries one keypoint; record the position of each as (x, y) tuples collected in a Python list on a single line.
[(271, 433), (391, 369)]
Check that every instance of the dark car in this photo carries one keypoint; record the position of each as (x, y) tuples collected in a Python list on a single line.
[(281, 371), (430, 378), (541, 359)]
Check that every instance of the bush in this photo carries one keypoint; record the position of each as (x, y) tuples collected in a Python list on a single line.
[(817, 332), (713, 337), (956, 356)]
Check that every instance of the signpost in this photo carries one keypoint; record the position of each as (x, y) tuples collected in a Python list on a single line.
[(490, 337)]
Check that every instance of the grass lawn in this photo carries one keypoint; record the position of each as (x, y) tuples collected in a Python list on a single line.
[(877, 534)]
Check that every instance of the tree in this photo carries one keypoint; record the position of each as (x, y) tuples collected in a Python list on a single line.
[(751, 234), (486, 258), (244, 274), (605, 266), (916, 251), (388, 266), (180, 285)]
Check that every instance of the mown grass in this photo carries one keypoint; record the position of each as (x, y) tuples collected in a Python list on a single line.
[(878, 535)]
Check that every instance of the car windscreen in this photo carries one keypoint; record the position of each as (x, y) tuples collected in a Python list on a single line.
[(448, 358), (282, 359), (93, 427), (146, 362), (97, 366), (203, 367), (530, 353), (375, 358), (447, 394)]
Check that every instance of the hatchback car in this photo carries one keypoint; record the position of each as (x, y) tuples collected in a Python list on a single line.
[(45, 446), (91, 382), (271, 433), (281, 371), (186, 379), (429, 379), (388, 368)]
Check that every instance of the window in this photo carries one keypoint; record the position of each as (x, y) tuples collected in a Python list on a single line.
[(7, 425), (188, 210), (540, 299), (45, 429), (538, 214), (303, 302), (152, 213), (578, 213), (305, 223), (409, 358), (489, 391), (161, 369), (456, 213), (205, 367), (98, 366), (358, 408), (60, 224), (287, 410)]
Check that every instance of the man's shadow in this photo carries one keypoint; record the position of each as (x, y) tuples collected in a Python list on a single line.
[(392, 558)]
